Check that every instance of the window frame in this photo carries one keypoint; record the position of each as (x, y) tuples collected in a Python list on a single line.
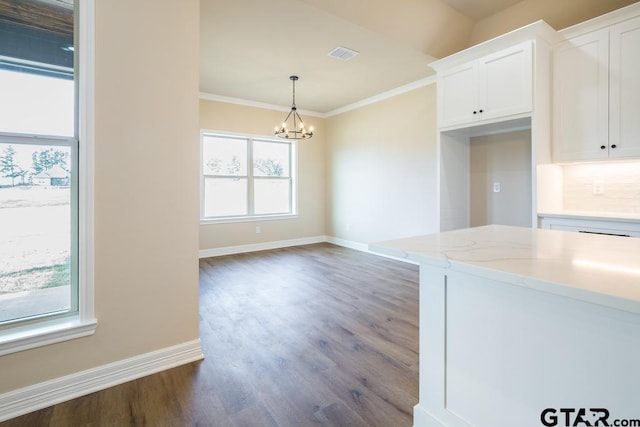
[(47, 330), (250, 216)]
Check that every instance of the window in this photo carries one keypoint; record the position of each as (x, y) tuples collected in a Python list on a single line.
[(245, 178), (45, 277)]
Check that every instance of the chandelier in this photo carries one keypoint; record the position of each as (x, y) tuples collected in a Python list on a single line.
[(297, 131)]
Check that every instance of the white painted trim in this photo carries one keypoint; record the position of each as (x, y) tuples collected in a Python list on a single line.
[(253, 247), (47, 332), (257, 104), (86, 135), (254, 218), (44, 333), (384, 95), (367, 101), (538, 29), (42, 395), (364, 247)]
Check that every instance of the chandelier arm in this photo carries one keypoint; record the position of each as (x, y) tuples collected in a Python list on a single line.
[(299, 118), (288, 115)]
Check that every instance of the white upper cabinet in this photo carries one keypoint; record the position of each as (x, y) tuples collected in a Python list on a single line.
[(457, 92), (495, 86), (581, 98), (624, 96), (596, 95)]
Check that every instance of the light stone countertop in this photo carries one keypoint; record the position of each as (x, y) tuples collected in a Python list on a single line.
[(603, 270)]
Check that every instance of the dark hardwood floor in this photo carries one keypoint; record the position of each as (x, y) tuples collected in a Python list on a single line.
[(316, 335)]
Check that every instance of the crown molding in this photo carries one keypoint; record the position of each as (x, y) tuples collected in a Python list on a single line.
[(249, 103), (367, 101), (384, 95)]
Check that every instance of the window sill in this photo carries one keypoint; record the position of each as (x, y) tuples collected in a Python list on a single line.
[(256, 218), (45, 333)]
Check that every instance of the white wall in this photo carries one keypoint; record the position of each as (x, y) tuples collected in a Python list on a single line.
[(382, 169)]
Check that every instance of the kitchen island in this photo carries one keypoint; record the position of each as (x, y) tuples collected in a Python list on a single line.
[(526, 327)]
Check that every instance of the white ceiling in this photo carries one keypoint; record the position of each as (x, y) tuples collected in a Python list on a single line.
[(249, 48)]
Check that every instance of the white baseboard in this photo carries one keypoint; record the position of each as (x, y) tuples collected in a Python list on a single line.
[(230, 250), (253, 247), (364, 247), (38, 396), (348, 244)]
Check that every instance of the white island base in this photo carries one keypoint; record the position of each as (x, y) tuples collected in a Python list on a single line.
[(522, 327)]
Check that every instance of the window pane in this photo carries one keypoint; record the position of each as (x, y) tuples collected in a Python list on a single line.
[(225, 197), (270, 158), (35, 230), (36, 104), (224, 156), (271, 196)]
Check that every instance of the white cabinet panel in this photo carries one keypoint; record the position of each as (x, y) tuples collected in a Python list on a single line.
[(596, 95), (625, 90), (581, 98), (457, 91), (493, 87), (505, 82)]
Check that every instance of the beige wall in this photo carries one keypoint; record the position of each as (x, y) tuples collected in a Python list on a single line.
[(503, 158), (557, 13), (146, 191), (310, 222), (381, 169)]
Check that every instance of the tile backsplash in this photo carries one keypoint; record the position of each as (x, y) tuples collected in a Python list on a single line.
[(617, 185)]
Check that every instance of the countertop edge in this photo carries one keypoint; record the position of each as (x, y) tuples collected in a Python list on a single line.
[(559, 289)]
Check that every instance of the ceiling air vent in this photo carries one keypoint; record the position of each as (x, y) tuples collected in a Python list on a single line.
[(342, 53)]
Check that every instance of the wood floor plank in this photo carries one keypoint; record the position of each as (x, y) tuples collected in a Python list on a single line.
[(315, 335)]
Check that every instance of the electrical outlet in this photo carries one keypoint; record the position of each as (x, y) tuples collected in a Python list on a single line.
[(496, 187), (258, 230), (598, 187)]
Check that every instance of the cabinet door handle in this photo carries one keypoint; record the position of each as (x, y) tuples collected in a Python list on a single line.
[(614, 146), (480, 111), (602, 147), (475, 112)]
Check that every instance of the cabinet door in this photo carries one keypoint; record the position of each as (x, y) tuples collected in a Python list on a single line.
[(505, 82), (624, 136), (457, 95), (581, 98)]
